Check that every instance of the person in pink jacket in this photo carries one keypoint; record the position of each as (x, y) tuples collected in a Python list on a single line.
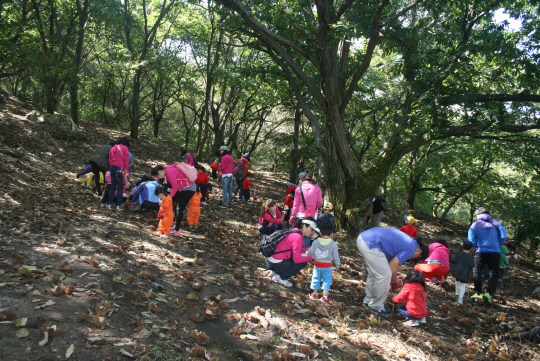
[(437, 264), (119, 168), (271, 219), (289, 258), (182, 189), (313, 201), (225, 171)]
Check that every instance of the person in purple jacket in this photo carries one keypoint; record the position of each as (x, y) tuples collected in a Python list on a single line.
[(487, 236)]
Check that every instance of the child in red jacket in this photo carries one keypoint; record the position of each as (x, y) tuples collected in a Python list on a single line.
[(215, 167), (201, 182), (413, 295), (408, 227), (289, 201), (246, 184)]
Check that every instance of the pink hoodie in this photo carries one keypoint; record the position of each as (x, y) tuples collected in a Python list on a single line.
[(312, 194), (227, 164), (119, 157), (268, 218), (293, 242), (176, 178), (438, 252)]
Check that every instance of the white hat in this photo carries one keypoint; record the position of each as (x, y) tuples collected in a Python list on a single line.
[(312, 225)]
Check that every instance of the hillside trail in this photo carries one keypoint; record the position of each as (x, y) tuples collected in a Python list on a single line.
[(84, 283)]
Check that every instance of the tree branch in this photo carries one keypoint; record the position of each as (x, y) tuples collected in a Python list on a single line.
[(485, 98)]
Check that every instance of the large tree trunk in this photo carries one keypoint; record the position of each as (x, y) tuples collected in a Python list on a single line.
[(135, 106), (295, 152)]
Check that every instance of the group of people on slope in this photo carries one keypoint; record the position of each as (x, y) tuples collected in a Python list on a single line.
[(383, 250)]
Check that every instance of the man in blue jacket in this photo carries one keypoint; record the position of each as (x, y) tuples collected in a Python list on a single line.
[(487, 236)]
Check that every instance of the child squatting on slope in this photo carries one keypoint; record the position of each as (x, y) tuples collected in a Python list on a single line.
[(324, 251), (413, 295), (166, 210)]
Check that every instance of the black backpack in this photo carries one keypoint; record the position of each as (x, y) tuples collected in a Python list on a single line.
[(268, 245), (382, 203)]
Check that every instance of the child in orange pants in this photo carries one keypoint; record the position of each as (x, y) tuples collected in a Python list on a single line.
[(166, 210), (194, 211)]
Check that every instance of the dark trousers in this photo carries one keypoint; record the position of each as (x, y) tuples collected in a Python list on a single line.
[(97, 170), (117, 175), (201, 187), (105, 198), (406, 314), (492, 261), (214, 174), (268, 229), (246, 194), (153, 206), (180, 201), (286, 268), (238, 185)]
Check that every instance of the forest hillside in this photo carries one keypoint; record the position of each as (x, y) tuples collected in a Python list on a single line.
[(84, 283)]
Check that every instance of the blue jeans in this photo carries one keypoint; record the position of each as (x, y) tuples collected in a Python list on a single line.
[(405, 314), (502, 272), (238, 185), (117, 175), (286, 268), (321, 274), (226, 184), (268, 229)]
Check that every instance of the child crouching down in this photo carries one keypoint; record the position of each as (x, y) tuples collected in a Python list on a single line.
[(194, 211), (325, 254), (413, 295), (166, 209)]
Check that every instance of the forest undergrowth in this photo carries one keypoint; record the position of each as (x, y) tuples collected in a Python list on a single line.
[(84, 283)]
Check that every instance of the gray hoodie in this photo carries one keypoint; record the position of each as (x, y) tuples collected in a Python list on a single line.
[(325, 250)]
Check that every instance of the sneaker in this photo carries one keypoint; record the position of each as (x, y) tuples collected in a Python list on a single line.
[(109, 206), (460, 301), (222, 206), (411, 323), (383, 313), (423, 320), (176, 233), (120, 209), (102, 205), (314, 296), (272, 274), (487, 297), (164, 236), (477, 295), (204, 203), (276, 278), (326, 301)]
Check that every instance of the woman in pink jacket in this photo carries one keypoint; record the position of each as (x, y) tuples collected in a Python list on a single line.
[(437, 264), (312, 196), (225, 170), (119, 168), (289, 258), (271, 219), (181, 190)]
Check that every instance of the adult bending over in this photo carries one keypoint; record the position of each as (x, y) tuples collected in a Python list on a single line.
[(307, 200), (288, 258), (384, 250), (487, 236)]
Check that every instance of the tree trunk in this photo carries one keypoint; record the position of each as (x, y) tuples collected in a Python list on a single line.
[(135, 106), (295, 153)]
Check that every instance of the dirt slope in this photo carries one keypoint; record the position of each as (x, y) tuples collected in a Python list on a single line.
[(212, 280)]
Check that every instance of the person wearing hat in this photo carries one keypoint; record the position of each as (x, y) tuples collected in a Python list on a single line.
[(487, 236), (327, 215), (384, 249), (242, 163), (462, 265), (289, 257), (307, 200), (408, 227), (225, 171)]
